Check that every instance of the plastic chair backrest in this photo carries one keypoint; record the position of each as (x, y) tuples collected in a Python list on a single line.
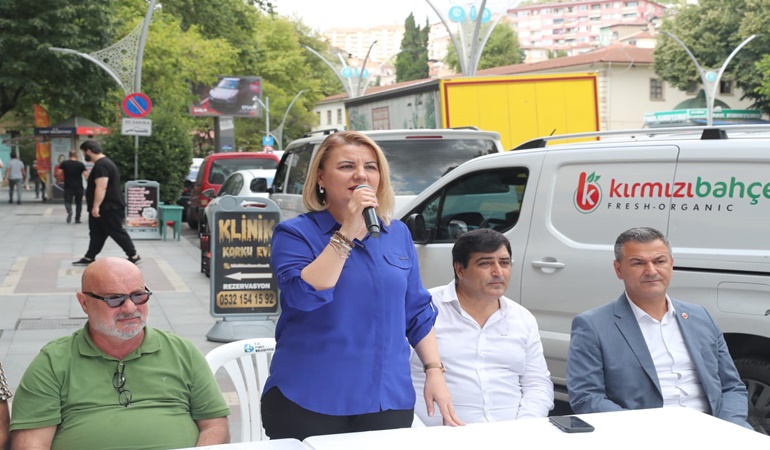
[(247, 362)]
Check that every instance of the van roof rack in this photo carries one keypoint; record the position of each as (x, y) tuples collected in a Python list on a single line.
[(325, 131), (706, 132)]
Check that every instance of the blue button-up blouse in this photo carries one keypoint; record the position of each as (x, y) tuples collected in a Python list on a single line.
[(345, 350)]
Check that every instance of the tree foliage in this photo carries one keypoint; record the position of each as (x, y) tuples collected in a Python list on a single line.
[(711, 30), (502, 49), (412, 62), (164, 157), (190, 42), (31, 73)]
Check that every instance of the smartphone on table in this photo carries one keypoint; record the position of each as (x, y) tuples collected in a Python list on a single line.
[(571, 424)]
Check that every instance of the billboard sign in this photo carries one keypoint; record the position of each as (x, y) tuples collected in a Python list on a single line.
[(230, 96)]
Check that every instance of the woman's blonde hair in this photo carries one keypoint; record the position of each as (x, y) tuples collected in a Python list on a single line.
[(312, 197)]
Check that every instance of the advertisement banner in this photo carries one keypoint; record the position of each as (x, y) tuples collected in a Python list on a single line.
[(242, 279), (231, 96), (142, 209), (42, 149)]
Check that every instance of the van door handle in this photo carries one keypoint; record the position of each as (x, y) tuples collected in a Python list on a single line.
[(548, 264)]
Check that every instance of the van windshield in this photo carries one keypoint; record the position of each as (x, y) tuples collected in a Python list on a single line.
[(416, 163), (222, 168)]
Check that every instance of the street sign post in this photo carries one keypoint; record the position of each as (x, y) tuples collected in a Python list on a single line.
[(244, 290), (136, 127), (137, 105)]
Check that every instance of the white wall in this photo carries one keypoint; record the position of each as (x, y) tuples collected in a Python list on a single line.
[(624, 93), (323, 111)]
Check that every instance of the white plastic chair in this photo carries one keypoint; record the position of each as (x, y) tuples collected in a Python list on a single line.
[(247, 362)]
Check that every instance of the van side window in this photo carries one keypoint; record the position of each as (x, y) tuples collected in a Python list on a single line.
[(416, 163), (488, 199), (298, 167)]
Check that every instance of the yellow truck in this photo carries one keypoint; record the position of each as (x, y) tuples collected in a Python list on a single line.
[(519, 107)]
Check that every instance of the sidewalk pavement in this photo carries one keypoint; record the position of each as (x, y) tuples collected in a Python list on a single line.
[(38, 283)]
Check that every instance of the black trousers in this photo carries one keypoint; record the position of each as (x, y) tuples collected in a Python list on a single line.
[(283, 418), (110, 224), (77, 195)]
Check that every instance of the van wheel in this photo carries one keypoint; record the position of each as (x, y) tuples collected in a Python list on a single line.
[(755, 373)]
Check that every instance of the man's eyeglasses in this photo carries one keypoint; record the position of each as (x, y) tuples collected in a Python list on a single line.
[(118, 381), (116, 301)]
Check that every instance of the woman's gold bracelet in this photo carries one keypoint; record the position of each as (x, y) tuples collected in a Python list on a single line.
[(340, 245)]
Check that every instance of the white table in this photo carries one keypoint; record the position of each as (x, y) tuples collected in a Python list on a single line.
[(652, 428), (278, 444)]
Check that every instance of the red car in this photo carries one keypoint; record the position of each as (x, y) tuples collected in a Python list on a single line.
[(213, 172)]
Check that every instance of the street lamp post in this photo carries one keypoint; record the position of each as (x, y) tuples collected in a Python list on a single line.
[(709, 77), (266, 106), (109, 60), (346, 73), (285, 115), (469, 53), (279, 130)]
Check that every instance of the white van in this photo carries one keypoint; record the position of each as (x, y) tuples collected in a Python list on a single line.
[(417, 158), (562, 206)]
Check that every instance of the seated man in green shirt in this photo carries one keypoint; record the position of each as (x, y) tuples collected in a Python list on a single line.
[(117, 383)]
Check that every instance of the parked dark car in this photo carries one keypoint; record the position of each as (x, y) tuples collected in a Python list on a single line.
[(189, 182)]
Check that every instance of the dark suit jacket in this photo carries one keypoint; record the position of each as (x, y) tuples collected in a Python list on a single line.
[(609, 367)]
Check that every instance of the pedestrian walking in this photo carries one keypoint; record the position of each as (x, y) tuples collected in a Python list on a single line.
[(71, 171), (15, 173), (106, 206), (34, 176)]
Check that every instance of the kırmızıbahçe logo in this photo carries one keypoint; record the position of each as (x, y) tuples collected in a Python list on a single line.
[(588, 194)]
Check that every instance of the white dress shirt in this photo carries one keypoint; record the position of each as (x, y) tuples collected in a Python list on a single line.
[(679, 382), (495, 372)]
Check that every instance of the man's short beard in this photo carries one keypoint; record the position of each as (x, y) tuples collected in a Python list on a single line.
[(114, 331)]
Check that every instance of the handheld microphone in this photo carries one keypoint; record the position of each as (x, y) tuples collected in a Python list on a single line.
[(370, 216)]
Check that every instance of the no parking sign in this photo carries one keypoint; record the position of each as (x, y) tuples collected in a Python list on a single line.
[(137, 105)]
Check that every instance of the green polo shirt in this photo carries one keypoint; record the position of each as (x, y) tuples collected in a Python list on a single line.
[(69, 384)]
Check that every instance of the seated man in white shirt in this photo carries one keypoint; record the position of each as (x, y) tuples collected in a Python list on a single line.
[(489, 345)]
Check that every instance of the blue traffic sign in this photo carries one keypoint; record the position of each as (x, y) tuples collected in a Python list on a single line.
[(137, 105), (268, 140)]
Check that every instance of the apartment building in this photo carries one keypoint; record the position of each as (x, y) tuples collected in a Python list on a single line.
[(576, 26), (357, 41)]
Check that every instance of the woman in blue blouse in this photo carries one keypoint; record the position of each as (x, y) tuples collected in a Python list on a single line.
[(351, 306)]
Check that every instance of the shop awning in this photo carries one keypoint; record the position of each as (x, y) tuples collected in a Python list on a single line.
[(74, 126)]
